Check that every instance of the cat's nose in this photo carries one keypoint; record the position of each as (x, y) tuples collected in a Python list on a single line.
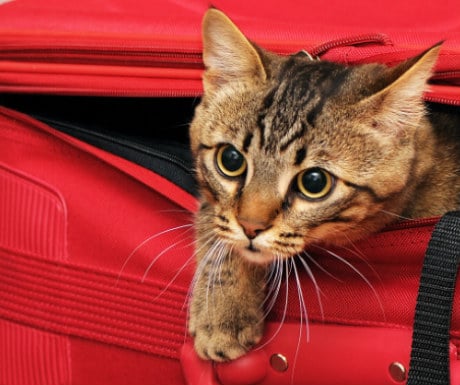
[(252, 228)]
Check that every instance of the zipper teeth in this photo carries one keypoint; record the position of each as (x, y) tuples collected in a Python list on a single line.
[(105, 56), (126, 143), (100, 51), (442, 100), (146, 150), (446, 75), (412, 223)]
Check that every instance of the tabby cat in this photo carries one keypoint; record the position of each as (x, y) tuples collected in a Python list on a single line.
[(290, 151)]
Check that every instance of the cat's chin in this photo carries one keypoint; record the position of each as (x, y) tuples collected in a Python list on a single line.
[(259, 257)]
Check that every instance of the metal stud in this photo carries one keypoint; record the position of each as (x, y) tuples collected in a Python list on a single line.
[(279, 362), (398, 371)]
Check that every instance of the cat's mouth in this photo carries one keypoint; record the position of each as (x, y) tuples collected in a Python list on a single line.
[(259, 256), (254, 255), (260, 250), (252, 248)]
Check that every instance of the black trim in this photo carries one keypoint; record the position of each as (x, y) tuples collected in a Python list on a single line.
[(430, 363), (170, 160)]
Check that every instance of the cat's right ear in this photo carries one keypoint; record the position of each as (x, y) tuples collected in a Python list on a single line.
[(398, 107), (227, 54)]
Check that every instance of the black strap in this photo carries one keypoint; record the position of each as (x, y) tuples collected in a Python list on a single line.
[(429, 363)]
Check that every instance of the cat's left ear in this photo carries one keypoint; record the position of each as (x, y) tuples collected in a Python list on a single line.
[(399, 106), (227, 54)]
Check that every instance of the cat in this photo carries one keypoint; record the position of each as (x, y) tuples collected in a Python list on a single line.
[(290, 151)]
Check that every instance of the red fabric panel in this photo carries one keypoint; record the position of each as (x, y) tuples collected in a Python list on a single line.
[(33, 357), (72, 203), (113, 48), (30, 215), (83, 302), (95, 363), (289, 22), (390, 262)]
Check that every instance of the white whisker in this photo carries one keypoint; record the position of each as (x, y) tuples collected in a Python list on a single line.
[(303, 317), (397, 215), (163, 252), (274, 281), (213, 261), (315, 283), (318, 265), (361, 275), (353, 249), (284, 269), (302, 306), (200, 266), (225, 253), (173, 279), (147, 240)]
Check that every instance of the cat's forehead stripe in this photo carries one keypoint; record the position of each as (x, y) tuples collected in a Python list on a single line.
[(330, 87), (247, 141), (297, 97), (300, 156), (266, 104), (292, 136)]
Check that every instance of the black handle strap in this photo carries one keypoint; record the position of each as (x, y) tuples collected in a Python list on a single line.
[(429, 363)]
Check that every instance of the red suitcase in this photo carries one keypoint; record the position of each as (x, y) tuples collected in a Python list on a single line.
[(97, 198)]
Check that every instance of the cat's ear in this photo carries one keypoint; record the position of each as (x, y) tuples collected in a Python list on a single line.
[(227, 54), (399, 105)]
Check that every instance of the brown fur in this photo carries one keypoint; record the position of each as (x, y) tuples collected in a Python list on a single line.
[(366, 125)]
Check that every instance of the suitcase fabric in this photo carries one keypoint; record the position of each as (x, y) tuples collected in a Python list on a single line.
[(96, 249)]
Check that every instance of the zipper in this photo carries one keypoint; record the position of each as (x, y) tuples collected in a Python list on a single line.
[(443, 94), (443, 100), (445, 88), (122, 142), (94, 64), (171, 66), (412, 224), (110, 57), (154, 156), (449, 76), (127, 50), (445, 80)]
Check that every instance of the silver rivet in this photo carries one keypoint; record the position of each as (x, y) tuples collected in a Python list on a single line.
[(397, 371), (279, 363)]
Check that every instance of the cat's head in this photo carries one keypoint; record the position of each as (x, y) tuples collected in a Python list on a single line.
[(291, 151)]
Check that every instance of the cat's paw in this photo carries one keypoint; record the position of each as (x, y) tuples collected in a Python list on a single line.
[(228, 340)]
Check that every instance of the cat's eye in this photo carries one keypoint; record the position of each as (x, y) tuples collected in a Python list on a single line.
[(314, 183), (230, 161)]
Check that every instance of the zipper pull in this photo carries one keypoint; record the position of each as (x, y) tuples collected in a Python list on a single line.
[(367, 39)]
